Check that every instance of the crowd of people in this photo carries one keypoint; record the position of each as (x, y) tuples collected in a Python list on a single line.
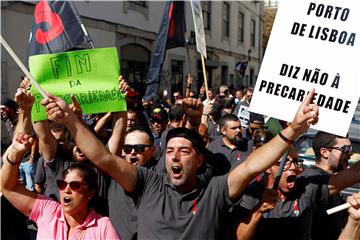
[(194, 167)]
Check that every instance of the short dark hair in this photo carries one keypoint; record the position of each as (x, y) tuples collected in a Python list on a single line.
[(323, 139), (191, 135), (88, 173), (176, 112), (227, 118)]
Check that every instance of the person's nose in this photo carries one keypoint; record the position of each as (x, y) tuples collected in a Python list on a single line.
[(176, 156)]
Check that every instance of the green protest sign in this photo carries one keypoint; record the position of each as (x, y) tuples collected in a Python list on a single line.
[(90, 75)]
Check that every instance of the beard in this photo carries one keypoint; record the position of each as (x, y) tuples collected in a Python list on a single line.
[(239, 142)]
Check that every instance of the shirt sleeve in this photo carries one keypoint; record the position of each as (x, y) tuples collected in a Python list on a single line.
[(110, 232), (44, 209)]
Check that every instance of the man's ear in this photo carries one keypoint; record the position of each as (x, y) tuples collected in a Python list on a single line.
[(223, 131), (200, 159), (268, 171), (324, 152)]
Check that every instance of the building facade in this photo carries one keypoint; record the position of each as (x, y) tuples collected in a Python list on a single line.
[(233, 29)]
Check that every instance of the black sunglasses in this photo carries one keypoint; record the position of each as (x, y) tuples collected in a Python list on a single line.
[(299, 163), (138, 148), (74, 185), (346, 149)]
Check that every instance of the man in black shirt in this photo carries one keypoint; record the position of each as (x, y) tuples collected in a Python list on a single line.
[(332, 154), (176, 205), (230, 145)]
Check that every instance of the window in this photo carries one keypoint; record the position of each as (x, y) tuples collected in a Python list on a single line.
[(226, 20), (206, 11), (224, 75), (140, 3), (252, 76), (241, 27), (177, 78), (252, 34)]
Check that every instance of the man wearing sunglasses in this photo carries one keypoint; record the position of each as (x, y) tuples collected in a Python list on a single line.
[(176, 205), (138, 150), (332, 154)]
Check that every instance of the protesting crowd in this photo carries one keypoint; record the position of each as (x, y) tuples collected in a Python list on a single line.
[(187, 167)]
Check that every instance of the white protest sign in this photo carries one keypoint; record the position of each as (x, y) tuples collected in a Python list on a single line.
[(313, 44), (199, 27)]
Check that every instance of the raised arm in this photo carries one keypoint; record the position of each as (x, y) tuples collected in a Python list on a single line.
[(123, 172), (17, 195), (344, 179), (47, 141), (25, 101), (247, 226), (352, 228), (119, 121), (193, 109), (264, 157)]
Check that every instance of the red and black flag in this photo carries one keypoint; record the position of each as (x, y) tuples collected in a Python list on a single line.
[(57, 27), (171, 34)]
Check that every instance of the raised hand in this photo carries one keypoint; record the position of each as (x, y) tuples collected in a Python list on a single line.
[(24, 99), (75, 107), (306, 115), (25, 83), (21, 143), (57, 109), (354, 210), (268, 200), (193, 109)]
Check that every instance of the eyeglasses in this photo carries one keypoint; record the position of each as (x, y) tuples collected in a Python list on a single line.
[(139, 148), (297, 162), (74, 185), (346, 149)]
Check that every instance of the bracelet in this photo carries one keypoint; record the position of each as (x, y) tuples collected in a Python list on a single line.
[(288, 141), (12, 163)]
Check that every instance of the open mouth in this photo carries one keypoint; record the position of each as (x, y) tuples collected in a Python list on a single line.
[(133, 160), (67, 200), (290, 180), (177, 171)]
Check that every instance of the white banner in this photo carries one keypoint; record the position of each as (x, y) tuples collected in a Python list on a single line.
[(313, 44), (199, 27)]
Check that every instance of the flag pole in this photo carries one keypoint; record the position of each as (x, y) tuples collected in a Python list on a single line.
[(22, 66), (205, 78), (77, 15), (187, 50)]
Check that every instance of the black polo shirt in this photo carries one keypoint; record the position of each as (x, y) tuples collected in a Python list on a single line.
[(218, 147), (166, 213), (327, 226), (292, 218)]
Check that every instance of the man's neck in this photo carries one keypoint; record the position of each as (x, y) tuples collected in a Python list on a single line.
[(324, 167), (228, 143)]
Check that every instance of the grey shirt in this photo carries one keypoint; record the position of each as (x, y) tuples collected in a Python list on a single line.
[(327, 226), (293, 217), (233, 156), (123, 209), (166, 213)]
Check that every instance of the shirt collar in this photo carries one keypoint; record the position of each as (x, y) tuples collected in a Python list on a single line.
[(89, 221)]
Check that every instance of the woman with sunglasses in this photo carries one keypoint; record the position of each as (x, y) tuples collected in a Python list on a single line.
[(73, 217)]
